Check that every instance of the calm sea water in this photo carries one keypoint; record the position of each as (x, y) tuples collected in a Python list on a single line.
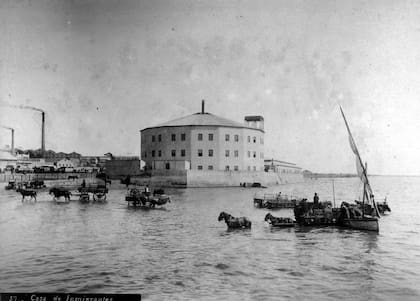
[(183, 252)]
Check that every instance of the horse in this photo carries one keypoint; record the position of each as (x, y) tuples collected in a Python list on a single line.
[(279, 221), (27, 192), (234, 222), (59, 192)]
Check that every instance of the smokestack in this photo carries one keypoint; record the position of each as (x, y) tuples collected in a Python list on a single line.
[(43, 135), (13, 142), (202, 106)]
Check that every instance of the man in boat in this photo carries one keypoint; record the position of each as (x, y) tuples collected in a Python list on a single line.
[(316, 200), (147, 190)]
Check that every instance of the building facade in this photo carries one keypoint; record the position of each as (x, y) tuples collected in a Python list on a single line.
[(206, 142)]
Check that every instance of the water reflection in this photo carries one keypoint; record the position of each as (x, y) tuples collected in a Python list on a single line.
[(182, 249)]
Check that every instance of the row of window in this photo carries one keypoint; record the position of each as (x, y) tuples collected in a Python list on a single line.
[(200, 153), (210, 167), (210, 138), (227, 167)]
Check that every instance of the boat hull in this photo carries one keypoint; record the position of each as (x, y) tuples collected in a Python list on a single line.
[(366, 223)]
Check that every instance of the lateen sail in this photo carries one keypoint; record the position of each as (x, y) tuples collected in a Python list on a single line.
[(361, 171)]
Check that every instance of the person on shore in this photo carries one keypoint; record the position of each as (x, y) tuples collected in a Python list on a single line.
[(84, 184), (127, 181), (316, 200)]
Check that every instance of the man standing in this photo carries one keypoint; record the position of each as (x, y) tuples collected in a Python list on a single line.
[(316, 199)]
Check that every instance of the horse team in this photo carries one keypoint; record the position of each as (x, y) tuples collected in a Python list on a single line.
[(244, 223)]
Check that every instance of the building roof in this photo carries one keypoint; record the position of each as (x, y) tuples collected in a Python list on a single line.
[(200, 119)]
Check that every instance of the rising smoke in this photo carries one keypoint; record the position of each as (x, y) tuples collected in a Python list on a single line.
[(6, 104)]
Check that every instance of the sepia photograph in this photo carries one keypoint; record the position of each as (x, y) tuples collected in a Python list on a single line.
[(209, 150)]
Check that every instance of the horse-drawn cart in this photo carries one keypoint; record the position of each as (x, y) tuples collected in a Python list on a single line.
[(136, 198)]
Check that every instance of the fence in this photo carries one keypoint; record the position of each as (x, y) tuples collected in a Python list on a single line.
[(6, 177)]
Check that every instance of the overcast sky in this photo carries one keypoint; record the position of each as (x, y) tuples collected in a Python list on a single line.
[(103, 70)]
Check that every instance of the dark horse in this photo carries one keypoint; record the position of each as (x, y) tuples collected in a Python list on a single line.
[(59, 192), (234, 222), (279, 221), (27, 192)]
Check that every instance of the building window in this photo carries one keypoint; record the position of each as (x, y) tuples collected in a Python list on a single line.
[(173, 153), (153, 153), (210, 167), (210, 137), (173, 137), (236, 152), (236, 138), (255, 139), (249, 154), (153, 138), (145, 154), (227, 153), (227, 137), (249, 168), (159, 138), (249, 139), (200, 152), (262, 155), (200, 137), (182, 152), (200, 167), (182, 137), (160, 153), (210, 153), (261, 140), (227, 167), (167, 166), (255, 168), (236, 168), (255, 154)]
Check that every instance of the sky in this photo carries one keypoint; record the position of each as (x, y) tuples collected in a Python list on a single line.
[(103, 70)]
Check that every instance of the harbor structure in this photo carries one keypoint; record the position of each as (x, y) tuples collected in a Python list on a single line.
[(203, 141), (206, 150), (287, 172)]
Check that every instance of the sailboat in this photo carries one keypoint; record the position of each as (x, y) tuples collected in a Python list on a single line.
[(350, 216)]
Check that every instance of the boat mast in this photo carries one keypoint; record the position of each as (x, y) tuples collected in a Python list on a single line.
[(363, 174)]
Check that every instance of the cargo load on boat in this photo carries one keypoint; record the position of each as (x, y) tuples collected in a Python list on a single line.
[(273, 201)]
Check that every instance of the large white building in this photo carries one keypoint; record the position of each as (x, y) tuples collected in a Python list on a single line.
[(203, 141)]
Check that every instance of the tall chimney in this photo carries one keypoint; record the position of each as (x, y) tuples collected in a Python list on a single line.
[(13, 142), (202, 106), (43, 135)]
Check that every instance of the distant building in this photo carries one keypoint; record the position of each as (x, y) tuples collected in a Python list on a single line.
[(66, 162), (281, 167), (119, 167), (7, 160), (203, 141)]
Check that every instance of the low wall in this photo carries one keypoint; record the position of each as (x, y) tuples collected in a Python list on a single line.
[(198, 178), (117, 169), (213, 178), (163, 178)]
